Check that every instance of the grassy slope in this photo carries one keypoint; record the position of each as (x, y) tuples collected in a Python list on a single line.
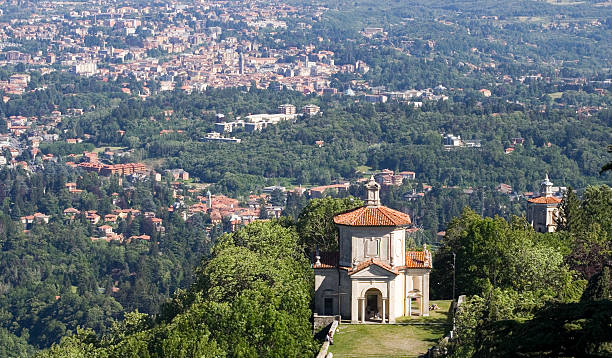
[(374, 340)]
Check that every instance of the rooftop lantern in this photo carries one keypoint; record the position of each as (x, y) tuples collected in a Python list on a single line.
[(373, 189)]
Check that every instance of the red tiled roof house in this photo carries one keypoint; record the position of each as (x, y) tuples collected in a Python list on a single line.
[(372, 277)]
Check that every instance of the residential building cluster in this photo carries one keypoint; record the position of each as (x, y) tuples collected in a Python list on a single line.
[(258, 122), (193, 45), (25, 134), (114, 169), (105, 225), (388, 177)]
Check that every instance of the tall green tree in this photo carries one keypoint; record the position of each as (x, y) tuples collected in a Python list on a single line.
[(607, 166), (316, 226), (587, 224), (598, 287), (493, 253)]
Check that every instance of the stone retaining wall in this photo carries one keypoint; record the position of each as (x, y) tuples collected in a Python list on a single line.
[(325, 346), (439, 350)]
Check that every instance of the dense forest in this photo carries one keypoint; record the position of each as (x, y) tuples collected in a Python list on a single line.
[(251, 298), (55, 278)]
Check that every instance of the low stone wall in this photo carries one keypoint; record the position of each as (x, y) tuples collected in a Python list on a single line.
[(325, 346), (321, 325), (440, 349)]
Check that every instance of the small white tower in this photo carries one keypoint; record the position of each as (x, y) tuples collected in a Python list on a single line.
[(543, 211), (546, 187), (373, 189)]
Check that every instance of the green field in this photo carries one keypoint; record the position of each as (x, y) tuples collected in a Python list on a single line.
[(103, 149), (441, 315), (363, 169), (378, 340), (397, 340)]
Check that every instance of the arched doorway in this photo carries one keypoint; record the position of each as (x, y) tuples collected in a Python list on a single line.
[(373, 303)]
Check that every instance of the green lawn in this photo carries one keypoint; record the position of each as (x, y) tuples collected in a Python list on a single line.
[(438, 316), (102, 149), (410, 339), (378, 340), (556, 95), (363, 169)]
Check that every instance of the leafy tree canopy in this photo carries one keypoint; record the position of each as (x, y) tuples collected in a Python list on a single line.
[(315, 224)]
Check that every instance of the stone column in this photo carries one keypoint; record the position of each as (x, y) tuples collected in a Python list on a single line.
[(384, 302), (354, 309), (363, 311), (426, 294), (390, 301)]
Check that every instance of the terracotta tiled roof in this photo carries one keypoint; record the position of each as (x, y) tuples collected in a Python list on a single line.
[(372, 216), (545, 200), (414, 259), (418, 259), (370, 262)]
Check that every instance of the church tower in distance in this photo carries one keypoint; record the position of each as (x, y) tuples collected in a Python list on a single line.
[(543, 211)]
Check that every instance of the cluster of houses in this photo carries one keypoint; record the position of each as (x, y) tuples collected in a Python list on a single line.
[(105, 225), (199, 55), (16, 84), (415, 97), (106, 230), (25, 134), (221, 206)]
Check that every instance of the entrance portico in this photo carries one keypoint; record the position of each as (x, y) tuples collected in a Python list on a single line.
[(373, 306), (374, 287)]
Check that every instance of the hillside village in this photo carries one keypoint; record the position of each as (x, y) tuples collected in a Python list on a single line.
[(230, 213), (294, 179)]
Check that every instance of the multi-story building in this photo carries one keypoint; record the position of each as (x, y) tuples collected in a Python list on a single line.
[(286, 109), (311, 109)]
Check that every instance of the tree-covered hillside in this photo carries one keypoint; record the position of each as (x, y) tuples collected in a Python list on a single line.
[(251, 298), (528, 293), (54, 277)]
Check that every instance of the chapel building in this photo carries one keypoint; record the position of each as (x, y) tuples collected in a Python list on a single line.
[(543, 211), (372, 277)]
